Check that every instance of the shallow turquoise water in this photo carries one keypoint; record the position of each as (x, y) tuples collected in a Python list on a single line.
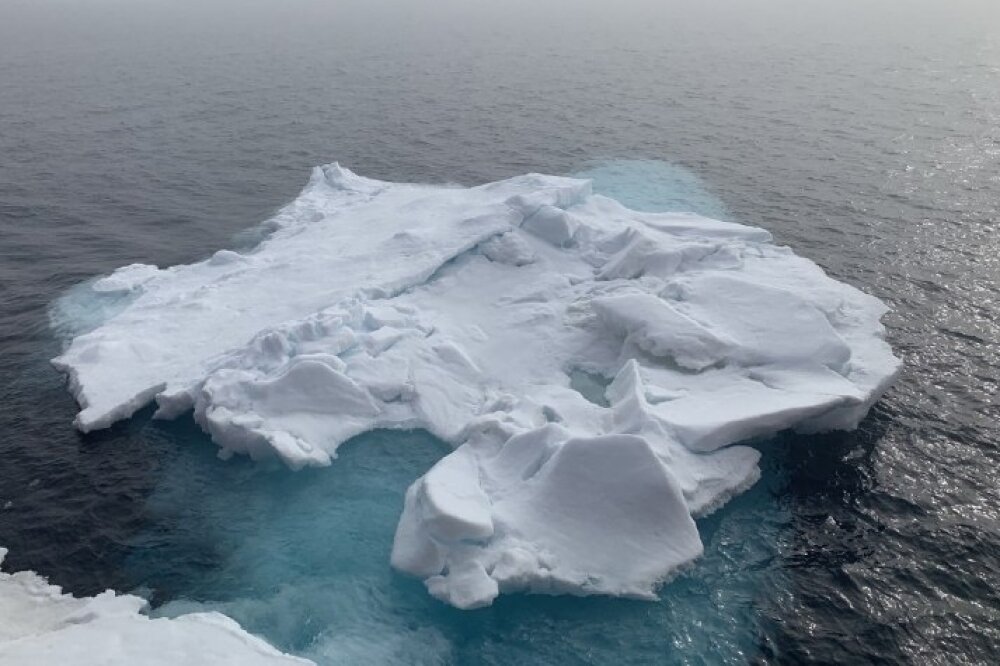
[(302, 558), (654, 185)]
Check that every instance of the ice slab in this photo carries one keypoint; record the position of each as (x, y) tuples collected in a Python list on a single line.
[(42, 625), (465, 312)]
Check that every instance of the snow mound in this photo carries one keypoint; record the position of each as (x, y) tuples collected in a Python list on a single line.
[(41, 625), (467, 312)]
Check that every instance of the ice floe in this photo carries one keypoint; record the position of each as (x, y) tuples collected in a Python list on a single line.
[(467, 312), (42, 625)]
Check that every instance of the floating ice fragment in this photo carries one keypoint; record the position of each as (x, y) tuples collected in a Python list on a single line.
[(467, 312), (42, 625)]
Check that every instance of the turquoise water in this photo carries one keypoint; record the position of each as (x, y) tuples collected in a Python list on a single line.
[(654, 185), (302, 558)]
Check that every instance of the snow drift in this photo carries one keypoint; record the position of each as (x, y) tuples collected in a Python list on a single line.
[(468, 312)]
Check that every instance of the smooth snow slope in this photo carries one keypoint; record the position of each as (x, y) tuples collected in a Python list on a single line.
[(466, 311), (41, 625)]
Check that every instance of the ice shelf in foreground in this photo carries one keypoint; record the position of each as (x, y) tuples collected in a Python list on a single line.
[(41, 625), (475, 313)]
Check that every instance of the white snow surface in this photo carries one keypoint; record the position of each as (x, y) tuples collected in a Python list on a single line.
[(42, 625), (468, 311)]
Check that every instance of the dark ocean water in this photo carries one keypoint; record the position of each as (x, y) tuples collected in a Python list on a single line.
[(865, 135)]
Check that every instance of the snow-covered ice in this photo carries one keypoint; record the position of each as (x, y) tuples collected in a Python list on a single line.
[(42, 625), (467, 312)]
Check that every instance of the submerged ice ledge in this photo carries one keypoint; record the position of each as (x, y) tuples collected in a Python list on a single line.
[(466, 311), (42, 625)]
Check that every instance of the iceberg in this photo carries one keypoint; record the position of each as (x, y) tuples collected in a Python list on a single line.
[(469, 312), (42, 625)]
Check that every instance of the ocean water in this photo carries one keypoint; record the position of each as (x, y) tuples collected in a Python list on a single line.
[(865, 135)]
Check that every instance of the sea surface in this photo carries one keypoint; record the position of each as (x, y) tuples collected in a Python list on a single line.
[(863, 134)]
